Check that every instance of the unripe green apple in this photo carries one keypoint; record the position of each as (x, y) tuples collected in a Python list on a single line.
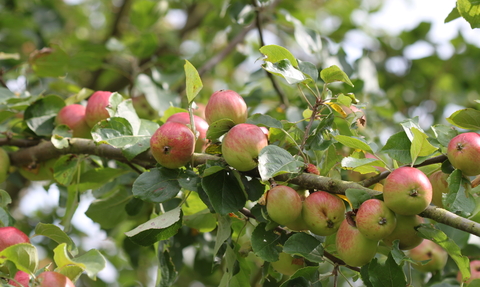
[(38, 171), (172, 145), (241, 146), (53, 279), (73, 116), (323, 213), (405, 232), (284, 205), (407, 191), (21, 278), (463, 152), (201, 126), (10, 235), (428, 250), (287, 264), (353, 247), (96, 107), (4, 165), (226, 104), (375, 220), (474, 272), (439, 183)]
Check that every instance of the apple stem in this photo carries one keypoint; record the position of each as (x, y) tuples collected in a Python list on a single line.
[(349, 216)]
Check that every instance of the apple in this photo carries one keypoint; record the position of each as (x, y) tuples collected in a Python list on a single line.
[(284, 205), (226, 104), (287, 264), (10, 235), (353, 247), (428, 250), (297, 225), (439, 183), (463, 152), (21, 278), (4, 165), (407, 191), (96, 107), (201, 126), (405, 232), (73, 116), (38, 171), (53, 279), (474, 272), (375, 220), (172, 145), (241, 146), (323, 213)]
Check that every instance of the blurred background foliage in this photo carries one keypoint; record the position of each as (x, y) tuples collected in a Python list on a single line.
[(138, 48)]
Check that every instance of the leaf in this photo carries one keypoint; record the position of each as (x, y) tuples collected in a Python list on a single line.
[(56, 234), (470, 11), (5, 198), (420, 145), (357, 196), (5, 94), (353, 142), (265, 243), (454, 14), (467, 118), (91, 262), (274, 160), (193, 81), (308, 69), (157, 185), (108, 212), (398, 147), (224, 191), (304, 277), (334, 74), (219, 128), (388, 274), (40, 116), (203, 221), (275, 53), (50, 62), (23, 255), (264, 120), (361, 165), (224, 231), (285, 69), (159, 228), (304, 245), (167, 270), (60, 136), (458, 199), (444, 134), (66, 168)]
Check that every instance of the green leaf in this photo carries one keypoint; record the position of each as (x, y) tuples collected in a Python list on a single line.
[(159, 228), (203, 221), (304, 245), (108, 212), (40, 116), (444, 134), (167, 270), (308, 69), (458, 199), (60, 136), (224, 231), (285, 69), (353, 142), (470, 11), (23, 255), (274, 160), (265, 243), (5, 218), (5, 198), (50, 62), (420, 145), (357, 196), (334, 74), (304, 277), (193, 81), (398, 147), (56, 234), (5, 94), (264, 120), (96, 178), (275, 53), (66, 168), (454, 14), (225, 191), (219, 128), (466, 118), (361, 165), (157, 185), (388, 274), (91, 262)]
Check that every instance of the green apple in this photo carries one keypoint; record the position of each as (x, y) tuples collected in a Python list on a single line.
[(10, 235), (226, 104), (287, 264), (96, 107), (53, 279), (405, 232), (428, 250), (284, 205), (375, 220), (4, 165), (353, 247), (323, 213), (172, 145), (439, 183), (407, 191), (201, 126), (73, 116), (463, 152)]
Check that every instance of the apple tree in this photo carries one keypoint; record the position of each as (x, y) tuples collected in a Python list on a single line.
[(235, 143)]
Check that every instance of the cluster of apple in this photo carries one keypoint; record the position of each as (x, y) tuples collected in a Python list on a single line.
[(10, 236)]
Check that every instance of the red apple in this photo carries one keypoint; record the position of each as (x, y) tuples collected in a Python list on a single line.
[(226, 104), (474, 272), (172, 145), (464, 153), (353, 247), (284, 205), (407, 191), (21, 278), (375, 220), (4, 165), (10, 235), (439, 183), (201, 127), (428, 250), (287, 264), (53, 279), (405, 232), (96, 107), (323, 213), (241, 146), (73, 116)]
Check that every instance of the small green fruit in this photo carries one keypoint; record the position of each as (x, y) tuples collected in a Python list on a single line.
[(287, 264)]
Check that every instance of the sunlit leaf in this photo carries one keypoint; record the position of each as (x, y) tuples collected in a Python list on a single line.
[(193, 81), (466, 118), (334, 74), (275, 53)]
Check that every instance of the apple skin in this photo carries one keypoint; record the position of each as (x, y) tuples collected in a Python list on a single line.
[(226, 104), (429, 250), (352, 247), (284, 205), (439, 183), (53, 279), (463, 152), (96, 107), (241, 146), (323, 213), (10, 235), (40, 171), (73, 116), (405, 232), (287, 264), (407, 191), (4, 165), (21, 277), (200, 125), (172, 145), (474, 272), (375, 220)]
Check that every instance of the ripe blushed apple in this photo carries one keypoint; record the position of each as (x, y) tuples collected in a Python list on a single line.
[(96, 107), (73, 116), (226, 104), (463, 152), (323, 213), (53, 279), (287, 264), (353, 247), (428, 250), (375, 220), (474, 272), (200, 125), (172, 145), (21, 278), (4, 165), (284, 205), (405, 232), (242, 145), (10, 235), (407, 191), (439, 183)]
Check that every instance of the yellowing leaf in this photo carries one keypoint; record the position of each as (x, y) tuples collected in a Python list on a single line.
[(337, 108)]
